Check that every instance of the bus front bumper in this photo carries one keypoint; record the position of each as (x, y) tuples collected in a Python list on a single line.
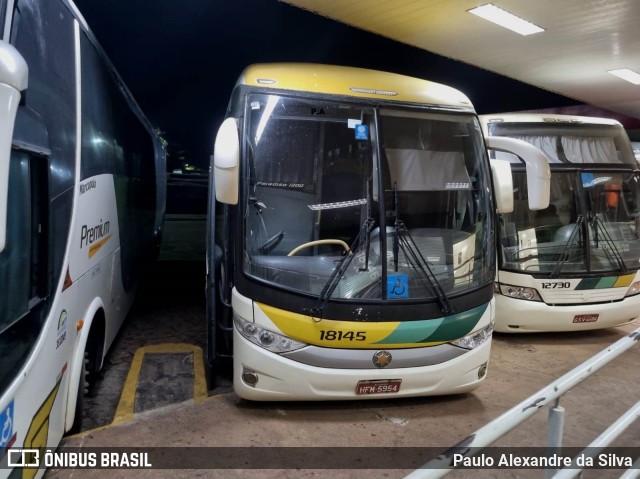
[(520, 316), (282, 379)]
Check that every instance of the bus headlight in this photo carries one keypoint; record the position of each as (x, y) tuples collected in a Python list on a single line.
[(519, 292), (475, 339), (274, 342), (633, 289)]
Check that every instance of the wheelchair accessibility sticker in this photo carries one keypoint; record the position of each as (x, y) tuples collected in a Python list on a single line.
[(6, 425), (362, 132), (397, 286)]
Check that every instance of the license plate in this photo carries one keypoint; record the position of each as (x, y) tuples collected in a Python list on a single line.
[(585, 318), (378, 386)]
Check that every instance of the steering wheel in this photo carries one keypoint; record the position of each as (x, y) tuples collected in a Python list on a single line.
[(319, 242)]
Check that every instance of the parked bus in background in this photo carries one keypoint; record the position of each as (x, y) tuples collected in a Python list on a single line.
[(574, 265), (354, 253), (636, 150), (81, 210)]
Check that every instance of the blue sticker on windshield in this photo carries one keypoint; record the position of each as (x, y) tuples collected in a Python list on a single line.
[(362, 132), (587, 179), (6, 425), (397, 286)]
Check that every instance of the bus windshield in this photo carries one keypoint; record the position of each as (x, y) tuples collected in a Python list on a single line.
[(591, 224), (325, 178)]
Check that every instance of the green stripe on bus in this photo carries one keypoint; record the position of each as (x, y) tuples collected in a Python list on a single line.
[(412, 331), (433, 330), (588, 283), (602, 283), (607, 282)]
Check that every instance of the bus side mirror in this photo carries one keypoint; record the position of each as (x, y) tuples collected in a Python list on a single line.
[(502, 185), (538, 172), (14, 75), (226, 160)]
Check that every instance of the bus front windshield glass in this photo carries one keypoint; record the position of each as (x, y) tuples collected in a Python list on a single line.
[(323, 179), (591, 224)]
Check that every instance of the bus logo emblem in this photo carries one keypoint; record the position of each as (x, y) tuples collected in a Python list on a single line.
[(24, 458), (381, 359)]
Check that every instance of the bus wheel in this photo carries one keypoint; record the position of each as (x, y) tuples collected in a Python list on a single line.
[(83, 389)]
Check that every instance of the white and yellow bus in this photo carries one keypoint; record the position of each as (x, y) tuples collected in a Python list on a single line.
[(573, 265), (352, 253), (81, 209)]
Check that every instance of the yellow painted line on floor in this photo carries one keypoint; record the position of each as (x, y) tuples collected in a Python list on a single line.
[(125, 409)]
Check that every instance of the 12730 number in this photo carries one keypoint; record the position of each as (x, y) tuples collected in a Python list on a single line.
[(556, 285)]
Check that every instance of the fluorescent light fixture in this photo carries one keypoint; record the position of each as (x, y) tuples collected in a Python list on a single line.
[(626, 74), (505, 19)]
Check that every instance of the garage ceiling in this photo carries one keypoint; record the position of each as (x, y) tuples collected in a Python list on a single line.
[(583, 39)]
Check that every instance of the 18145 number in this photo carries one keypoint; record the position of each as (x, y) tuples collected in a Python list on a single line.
[(332, 335)]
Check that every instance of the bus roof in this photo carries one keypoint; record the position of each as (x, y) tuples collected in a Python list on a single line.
[(350, 81), (545, 118)]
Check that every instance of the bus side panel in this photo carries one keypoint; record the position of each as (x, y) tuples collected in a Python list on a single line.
[(114, 140), (96, 249), (43, 34), (117, 199), (34, 402), (94, 256)]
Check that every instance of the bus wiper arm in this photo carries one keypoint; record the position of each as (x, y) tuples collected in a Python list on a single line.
[(413, 253), (565, 250), (402, 239), (397, 225), (596, 223), (371, 222), (337, 273)]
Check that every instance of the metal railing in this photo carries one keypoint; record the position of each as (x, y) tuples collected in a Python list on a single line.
[(547, 396)]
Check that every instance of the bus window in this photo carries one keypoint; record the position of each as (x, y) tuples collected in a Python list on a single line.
[(22, 264)]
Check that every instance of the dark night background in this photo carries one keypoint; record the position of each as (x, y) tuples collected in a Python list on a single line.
[(181, 58)]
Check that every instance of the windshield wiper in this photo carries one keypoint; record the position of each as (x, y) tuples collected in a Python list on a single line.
[(596, 223), (414, 255), (402, 240), (370, 227), (337, 273), (564, 254), (396, 233)]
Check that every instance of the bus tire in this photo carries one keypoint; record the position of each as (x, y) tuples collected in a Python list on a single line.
[(83, 388)]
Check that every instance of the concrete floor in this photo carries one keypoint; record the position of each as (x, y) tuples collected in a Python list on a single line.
[(520, 365)]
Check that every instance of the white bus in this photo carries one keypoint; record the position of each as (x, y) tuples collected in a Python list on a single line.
[(311, 164), (82, 193), (574, 265), (636, 150)]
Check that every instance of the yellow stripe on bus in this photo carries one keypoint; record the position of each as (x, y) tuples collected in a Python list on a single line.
[(95, 247), (336, 333), (625, 280)]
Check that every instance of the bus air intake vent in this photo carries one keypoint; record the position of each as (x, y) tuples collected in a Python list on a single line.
[(373, 92)]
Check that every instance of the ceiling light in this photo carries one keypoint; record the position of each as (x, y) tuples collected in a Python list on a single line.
[(505, 19), (626, 74)]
